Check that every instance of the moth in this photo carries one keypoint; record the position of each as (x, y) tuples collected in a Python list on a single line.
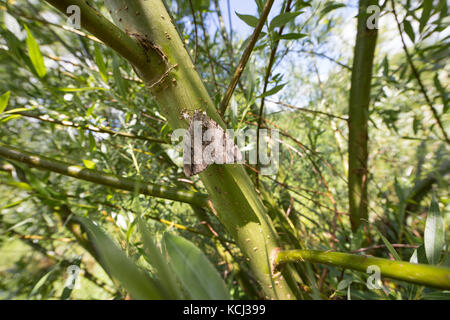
[(206, 143)]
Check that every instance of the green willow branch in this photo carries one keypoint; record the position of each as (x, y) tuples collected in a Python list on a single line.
[(131, 49), (103, 178), (358, 116), (245, 56), (421, 274), (171, 78)]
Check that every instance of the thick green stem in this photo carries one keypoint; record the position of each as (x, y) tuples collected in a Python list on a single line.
[(421, 274), (103, 178), (359, 115), (179, 89)]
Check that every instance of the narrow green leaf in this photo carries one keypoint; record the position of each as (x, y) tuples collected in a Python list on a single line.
[(14, 116), (40, 283), (389, 246), (198, 276), (15, 110), (21, 185), (330, 7), (119, 266), (100, 63), (252, 21), (92, 144), (426, 13), (90, 110), (81, 89), (409, 30), (289, 36), (273, 91), (419, 256), (282, 19), (442, 91), (4, 101), (344, 284), (89, 164), (386, 66), (434, 236), (164, 271), (14, 204), (35, 55), (119, 81)]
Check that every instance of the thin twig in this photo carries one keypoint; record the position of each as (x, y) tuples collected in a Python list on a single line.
[(309, 110), (324, 56), (195, 31), (244, 59), (266, 83)]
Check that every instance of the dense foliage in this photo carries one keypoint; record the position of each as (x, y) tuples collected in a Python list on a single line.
[(67, 97)]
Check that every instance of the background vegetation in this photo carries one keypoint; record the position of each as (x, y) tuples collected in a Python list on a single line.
[(90, 179)]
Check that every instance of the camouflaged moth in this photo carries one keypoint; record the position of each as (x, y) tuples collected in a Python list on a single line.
[(206, 143)]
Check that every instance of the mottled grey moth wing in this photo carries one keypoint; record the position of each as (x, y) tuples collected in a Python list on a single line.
[(206, 143)]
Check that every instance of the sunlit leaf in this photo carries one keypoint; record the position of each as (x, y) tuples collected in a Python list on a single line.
[(4, 101), (41, 282), (427, 5), (35, 55), (282, 19), (273, 91), (81, 89), (14, 116), (330, 6), (252, 21), (89, 164)]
